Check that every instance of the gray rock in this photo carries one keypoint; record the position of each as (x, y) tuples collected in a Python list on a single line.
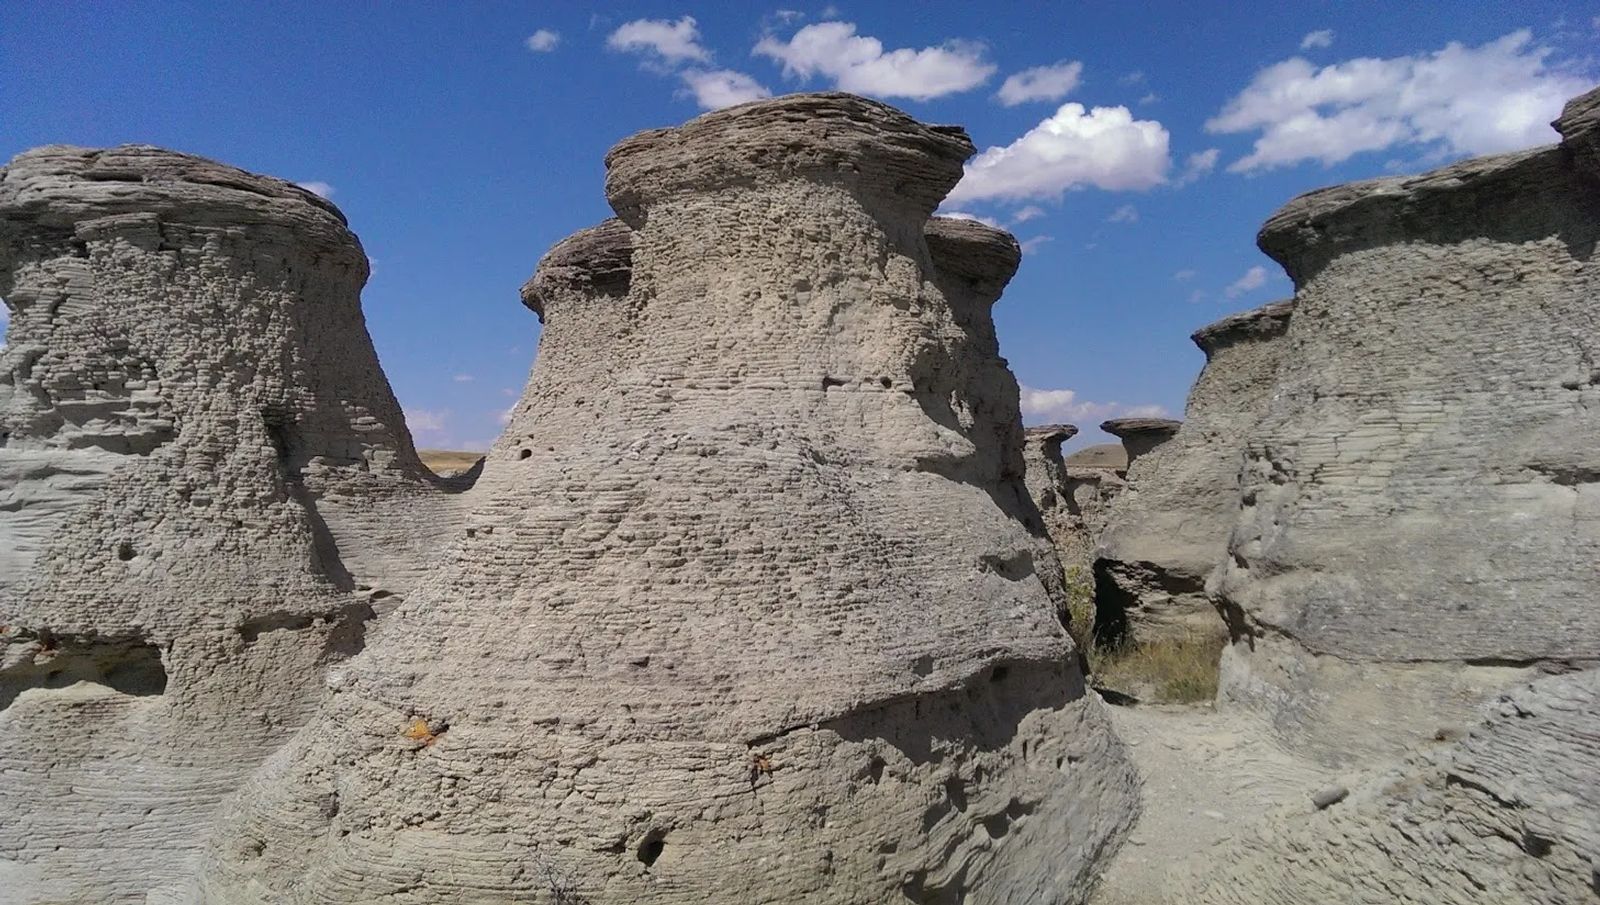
[(751, 623), (1073, 500), (1420, 497), (1166, 534), (1141, 436), (189, 404), (1329, 796), (1510, 813)]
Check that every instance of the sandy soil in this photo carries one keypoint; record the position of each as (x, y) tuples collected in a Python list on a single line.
[(1207, 775)]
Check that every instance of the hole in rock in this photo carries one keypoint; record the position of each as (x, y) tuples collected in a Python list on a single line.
[(131, 666), (525, 454), (875, 769), (124, 551), (650, 849)]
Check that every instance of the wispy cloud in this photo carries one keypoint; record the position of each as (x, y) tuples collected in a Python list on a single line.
[(1198, 165), (669, 41), (1041, 83), (320, 189), (1062, 405), (1253, 279), (1124, 214), (1459, 100), (860, 63), (543, 41), (1322, 37)]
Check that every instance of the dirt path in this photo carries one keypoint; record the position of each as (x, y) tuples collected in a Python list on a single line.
[(1206, 776)]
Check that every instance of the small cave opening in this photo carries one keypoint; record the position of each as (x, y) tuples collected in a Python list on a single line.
[(651, 848), (131, 666)]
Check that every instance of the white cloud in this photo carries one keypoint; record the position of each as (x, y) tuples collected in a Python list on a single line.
[(1253, 279), (1041, 83), (1455, 101), (860, 64), (1124, 214), (1197, 296), (320, 189), (543, 41), (1104, 147), (1032, 245), (504, 415), (427, 425), (1184, 276), (1322, 37), (1133, 78), (1198, 164), (1040, 406), (463, 378), (1031, 212), (720, 88), (1150, 98), (672, 42), (963, 215)]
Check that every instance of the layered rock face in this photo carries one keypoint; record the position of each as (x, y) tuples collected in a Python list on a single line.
[(187, 384), (1074, 501), (748, 625), (1510, 813), (1171, 529), (1421, 512)]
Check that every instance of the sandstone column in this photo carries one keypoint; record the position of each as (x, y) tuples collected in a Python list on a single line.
[(187, 376), (748, 624), (1421, 518), (1171, 529)]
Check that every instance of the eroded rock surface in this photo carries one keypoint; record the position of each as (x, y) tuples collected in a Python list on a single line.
[(1421, 512), (751, 623), (187, 391), (1073, 500), (1509, 813), (1171, 529)]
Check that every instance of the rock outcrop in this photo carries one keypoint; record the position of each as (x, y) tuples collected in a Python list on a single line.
[(1509, 813), (1171, 529), (753, 622), (1421, 498), (1073, 500), (187, 391), (1141, 436)]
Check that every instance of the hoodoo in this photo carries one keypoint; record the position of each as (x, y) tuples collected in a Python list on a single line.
[(748, 624), (1421, 511), (187, 395), (1166, 534)]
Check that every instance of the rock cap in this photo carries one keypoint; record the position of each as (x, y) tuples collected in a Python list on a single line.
[(1129, 428), (983, 255), (1264, 322), (597, 260), (826, 137), (60, 186)]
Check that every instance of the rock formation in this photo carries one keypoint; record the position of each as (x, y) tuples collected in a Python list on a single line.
[(1421, 512), (1171, 529), (1073, 500), (1141, 436), (186, 393), (749, 623), (1509, 813)]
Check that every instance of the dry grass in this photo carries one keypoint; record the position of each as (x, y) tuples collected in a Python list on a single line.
[(1174, 670), (445, 461)]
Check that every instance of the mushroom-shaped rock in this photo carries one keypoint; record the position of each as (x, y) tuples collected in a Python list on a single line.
[(1171, 529), (1579, 126), (728, 631), (1140, 436), (187, 392), (1420, 497)]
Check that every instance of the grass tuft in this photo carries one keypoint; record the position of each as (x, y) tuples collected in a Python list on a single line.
[(1179, 670)]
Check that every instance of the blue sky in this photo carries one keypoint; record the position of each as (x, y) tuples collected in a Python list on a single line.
[(462, 140)]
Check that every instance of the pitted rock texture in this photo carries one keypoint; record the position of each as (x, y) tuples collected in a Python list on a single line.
[(746, 626), (1424, 486), (187, 391), (1073, 500), (1509, 813), (1171, 529)]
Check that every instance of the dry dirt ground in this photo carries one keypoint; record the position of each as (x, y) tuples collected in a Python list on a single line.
[(1101, 455), (1207, 775)]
